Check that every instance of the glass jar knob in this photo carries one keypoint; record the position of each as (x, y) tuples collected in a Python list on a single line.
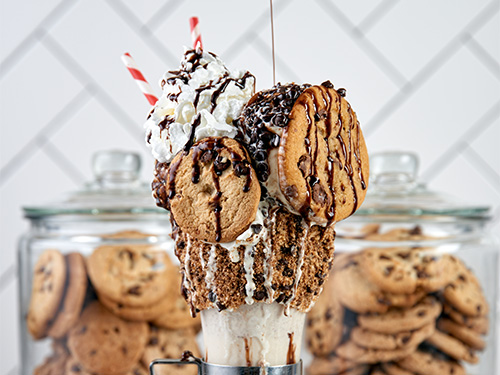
[(394, 171), (115, 168)]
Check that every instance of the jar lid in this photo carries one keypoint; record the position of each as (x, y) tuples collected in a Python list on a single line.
[(396, 192), (115, 190)]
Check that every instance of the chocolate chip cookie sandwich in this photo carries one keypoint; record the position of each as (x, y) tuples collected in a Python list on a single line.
[(254, 183)]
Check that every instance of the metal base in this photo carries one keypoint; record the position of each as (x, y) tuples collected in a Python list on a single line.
[(205, 368)]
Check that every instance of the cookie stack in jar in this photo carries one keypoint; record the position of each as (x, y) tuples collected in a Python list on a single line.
[(100, 289), (414, 284)]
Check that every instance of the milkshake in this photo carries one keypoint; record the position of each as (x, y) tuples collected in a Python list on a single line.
[(254, 183)]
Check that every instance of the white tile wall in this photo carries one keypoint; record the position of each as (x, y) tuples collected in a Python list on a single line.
[(422, 75)]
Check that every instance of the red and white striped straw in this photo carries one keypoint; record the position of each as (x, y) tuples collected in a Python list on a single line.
[(145, 87), (194, 24)]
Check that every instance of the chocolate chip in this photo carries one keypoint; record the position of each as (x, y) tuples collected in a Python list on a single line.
[(241, 168), (135, 290), (221, 306), (153, 341), (327, 84), (287, 272), (207, 156), (260, 155), (76, 368), (316, 117), (319, 194), (259, 278), (342, 92), (260, 295), (388, 270), (256, 228), (212, 296), (304, 165), (405, 339)]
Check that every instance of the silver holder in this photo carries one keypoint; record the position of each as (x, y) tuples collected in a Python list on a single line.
[(205, 368)]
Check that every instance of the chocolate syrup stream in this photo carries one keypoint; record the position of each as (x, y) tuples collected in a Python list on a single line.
[(272, 41)]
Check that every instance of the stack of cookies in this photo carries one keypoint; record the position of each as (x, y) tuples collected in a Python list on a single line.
[(397, 310), (112, 313)]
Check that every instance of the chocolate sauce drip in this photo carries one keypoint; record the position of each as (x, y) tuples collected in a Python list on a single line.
[(190, 141), (267, 109), (290, 355), (248, 354), (164, 124)]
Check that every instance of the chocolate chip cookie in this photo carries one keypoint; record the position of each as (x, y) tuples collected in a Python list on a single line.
[(49, 279), (74, 296), (213, 191), (322, 158), (134, 275), (103, 343)]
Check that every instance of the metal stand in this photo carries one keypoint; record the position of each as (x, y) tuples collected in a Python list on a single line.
[(205, 368)]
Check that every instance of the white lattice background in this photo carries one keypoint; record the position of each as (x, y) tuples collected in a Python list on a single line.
[(422, 76)]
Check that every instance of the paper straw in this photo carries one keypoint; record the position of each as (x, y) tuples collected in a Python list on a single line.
[(194, 24), (145, 87)]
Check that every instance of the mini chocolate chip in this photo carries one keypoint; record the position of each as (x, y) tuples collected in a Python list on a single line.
[(384, 257), (153, 341), (212, 296), (422, 313), (260, 295), (316, 117), (256, 228), (327, 84), (221, 306), (342, 92), (259, 278), (260, 155), (405, 339)]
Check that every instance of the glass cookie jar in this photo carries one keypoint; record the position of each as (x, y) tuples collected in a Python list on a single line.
[(414, 285), (99, 286)]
